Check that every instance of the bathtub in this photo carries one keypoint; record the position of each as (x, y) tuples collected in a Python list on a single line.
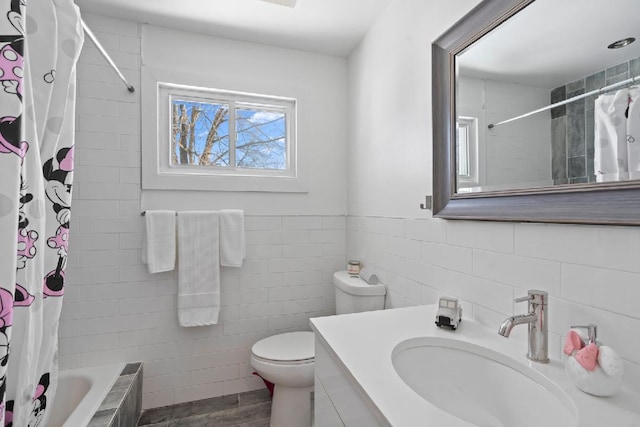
[(80, 392)]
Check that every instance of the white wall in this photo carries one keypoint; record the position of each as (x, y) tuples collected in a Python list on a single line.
[(115, 311), (389, 109), (591, 272), (516, 154), (317, 82)]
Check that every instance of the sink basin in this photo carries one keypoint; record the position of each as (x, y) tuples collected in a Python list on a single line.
[(481, 386)]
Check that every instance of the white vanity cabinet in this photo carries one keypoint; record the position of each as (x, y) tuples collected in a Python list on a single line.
[(337, 402)]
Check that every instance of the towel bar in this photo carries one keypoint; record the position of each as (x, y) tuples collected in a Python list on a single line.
[(143, 213)]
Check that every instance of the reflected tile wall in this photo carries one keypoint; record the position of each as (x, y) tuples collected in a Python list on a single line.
[(559, 149), (572, 125)]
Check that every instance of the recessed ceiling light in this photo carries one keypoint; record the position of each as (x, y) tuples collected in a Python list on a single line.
[(288, 3), (621, 43)]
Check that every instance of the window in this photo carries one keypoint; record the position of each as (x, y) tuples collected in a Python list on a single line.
[(467, 151), (199, 138), (462, 150), (223, 132)]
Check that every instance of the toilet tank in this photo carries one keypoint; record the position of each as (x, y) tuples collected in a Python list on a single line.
[(354, 295)]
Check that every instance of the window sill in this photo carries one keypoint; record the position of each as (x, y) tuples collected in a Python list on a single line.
[(222, 183)]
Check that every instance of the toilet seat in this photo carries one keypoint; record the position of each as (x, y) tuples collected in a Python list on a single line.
[(287, 349), (284, 362)]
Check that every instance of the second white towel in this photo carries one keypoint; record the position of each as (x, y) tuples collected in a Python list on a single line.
[(233, 247), (199, 269)]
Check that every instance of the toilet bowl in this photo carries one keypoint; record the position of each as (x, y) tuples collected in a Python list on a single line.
[(287, 360)]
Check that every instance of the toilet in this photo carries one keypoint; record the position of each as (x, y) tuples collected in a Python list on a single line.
[(287, 360)]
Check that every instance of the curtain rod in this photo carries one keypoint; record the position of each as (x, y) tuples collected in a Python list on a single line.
[(567, 101), (104, 53)]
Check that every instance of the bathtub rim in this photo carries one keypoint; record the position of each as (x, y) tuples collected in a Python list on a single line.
[(102, 378)]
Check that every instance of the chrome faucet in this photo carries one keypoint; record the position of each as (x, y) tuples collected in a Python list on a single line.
[(536, 319)]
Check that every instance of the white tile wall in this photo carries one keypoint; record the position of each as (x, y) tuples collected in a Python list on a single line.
[(115, 311), (592, 273)]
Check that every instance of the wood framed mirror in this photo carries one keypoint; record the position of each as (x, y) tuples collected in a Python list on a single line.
[(557, 174)]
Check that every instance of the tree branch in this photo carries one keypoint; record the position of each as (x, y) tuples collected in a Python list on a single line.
[(195, 112), (212, 136), (174, 133), (257, 125), (184, 131)]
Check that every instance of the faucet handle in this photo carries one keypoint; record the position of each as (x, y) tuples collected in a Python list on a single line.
[(592, 331), (534, 297), (524, 299)]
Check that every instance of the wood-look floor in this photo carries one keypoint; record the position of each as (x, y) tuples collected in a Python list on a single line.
[(250, 409)]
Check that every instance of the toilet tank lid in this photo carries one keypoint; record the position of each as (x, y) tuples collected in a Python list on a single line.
[(290, 346), (356, 286)]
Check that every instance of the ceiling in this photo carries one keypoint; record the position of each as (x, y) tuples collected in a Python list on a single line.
[(553, 42), (333, 27)]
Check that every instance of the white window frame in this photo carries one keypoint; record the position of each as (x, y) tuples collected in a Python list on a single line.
[(159, 88), (471, 125)]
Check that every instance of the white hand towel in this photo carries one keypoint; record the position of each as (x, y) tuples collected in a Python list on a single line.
[(633, 133), (233, 247), (198, 268), (159, 244)]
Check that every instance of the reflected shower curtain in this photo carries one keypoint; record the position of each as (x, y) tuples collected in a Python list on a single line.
[(40, 42), (617, 135), (610, 145), (633, 132)]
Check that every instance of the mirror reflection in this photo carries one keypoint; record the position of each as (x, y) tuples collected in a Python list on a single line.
[(542, 100)]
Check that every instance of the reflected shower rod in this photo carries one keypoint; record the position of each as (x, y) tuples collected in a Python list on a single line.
[(106, 56), (567, 101)]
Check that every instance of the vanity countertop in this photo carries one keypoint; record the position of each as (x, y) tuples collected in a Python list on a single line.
[(363, 343)]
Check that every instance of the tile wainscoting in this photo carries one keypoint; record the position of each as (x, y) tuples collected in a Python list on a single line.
[(591, 273)]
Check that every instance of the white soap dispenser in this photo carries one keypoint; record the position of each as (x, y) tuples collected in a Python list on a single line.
[(601, 376)]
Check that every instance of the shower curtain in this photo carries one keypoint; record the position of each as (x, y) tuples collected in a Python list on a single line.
[(40, 42)]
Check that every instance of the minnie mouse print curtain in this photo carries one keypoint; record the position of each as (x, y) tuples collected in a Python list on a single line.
[(40, 42)]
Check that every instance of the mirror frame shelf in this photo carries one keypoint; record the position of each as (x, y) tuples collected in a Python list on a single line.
[(602, 203)]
